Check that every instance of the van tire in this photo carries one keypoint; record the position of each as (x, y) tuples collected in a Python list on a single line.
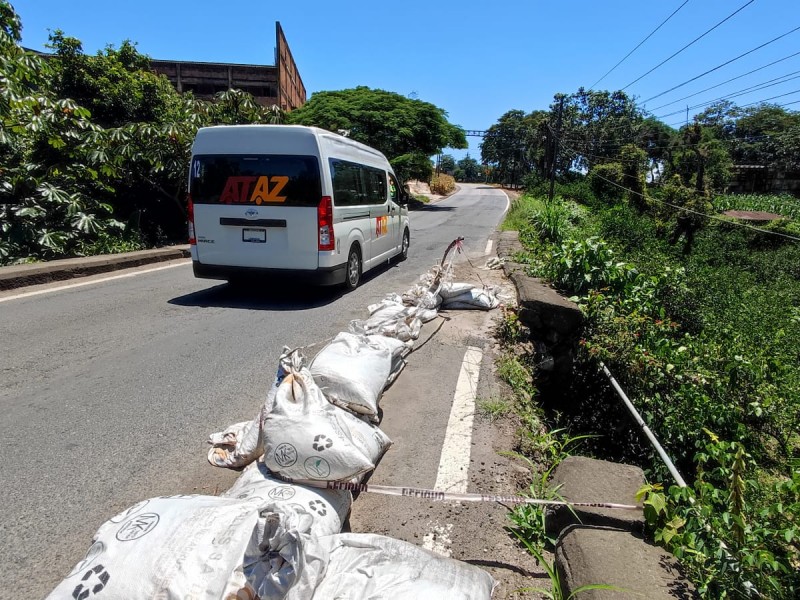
[(354, 268), (406, 243)]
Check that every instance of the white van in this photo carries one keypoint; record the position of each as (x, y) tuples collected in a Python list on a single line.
[(287, 200)]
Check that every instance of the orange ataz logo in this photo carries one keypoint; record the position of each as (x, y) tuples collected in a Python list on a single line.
[(254, 190), (381, 226)]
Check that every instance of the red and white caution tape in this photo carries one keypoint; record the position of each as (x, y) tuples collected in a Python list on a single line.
[(439, 496)]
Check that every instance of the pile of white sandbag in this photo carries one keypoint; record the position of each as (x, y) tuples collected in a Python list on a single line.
[(353, 370), (303, 436), (402, 316), (208, 547), (269, 538)]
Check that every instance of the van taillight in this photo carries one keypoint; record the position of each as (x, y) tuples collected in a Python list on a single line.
[(325, 224), (192, 239)]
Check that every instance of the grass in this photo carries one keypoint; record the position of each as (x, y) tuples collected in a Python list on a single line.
[(494, 409)]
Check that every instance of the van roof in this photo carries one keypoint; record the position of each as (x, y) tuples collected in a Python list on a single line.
[(211, 138)]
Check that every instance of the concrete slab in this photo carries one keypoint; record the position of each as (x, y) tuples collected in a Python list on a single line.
[(582, 479), (587, 556)]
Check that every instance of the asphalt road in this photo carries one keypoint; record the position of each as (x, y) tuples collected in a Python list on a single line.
[(108, 391)]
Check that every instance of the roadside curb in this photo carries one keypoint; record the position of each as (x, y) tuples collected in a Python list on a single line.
[(59, 270)]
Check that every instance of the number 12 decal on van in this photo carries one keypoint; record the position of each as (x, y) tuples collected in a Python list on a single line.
[(285, 200)]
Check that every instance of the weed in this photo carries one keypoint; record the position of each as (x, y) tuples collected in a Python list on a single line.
[(493, 408), (556, 591), (552, 447)]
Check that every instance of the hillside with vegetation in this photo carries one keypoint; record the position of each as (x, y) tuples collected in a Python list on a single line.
[(697, 315)]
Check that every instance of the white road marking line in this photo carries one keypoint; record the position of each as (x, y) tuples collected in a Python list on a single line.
[(453, 474), (438, 540), (83, 283), (508, 202), (488, 247)]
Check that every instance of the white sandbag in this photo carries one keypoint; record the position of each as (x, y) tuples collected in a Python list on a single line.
[(307, 437), (237, 446), (422, 296), (427, 314), (281, 556), (474, 298), (242, 443), (369, 566), (391, 320), (390, 300), (328, 508), (170, 548), (353, 370), (451, 290)]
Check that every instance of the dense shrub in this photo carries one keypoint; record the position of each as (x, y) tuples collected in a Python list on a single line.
[(442, 184), (607, 181), (704, 342)]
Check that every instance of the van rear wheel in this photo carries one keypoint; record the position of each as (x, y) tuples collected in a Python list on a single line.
[(406, 244), (353, 275)]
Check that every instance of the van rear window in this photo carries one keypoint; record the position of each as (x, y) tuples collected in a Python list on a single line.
[(258, 179)]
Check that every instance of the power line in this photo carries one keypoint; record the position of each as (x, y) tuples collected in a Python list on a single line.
[(673, 146), (719, 66), (723, 83), (639, 44), (748, 90), (697, 39), (765, 100)]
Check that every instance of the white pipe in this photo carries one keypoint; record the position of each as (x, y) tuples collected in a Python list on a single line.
[(645, 428)]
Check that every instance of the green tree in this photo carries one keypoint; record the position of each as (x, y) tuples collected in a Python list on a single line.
[(447, 164), (634, 167), (700, 159), (596, 124), (765, 135), (116, 86), (50, 180), (469, 169), (655, 138), (413, 165), (516, 146), (394, 124)]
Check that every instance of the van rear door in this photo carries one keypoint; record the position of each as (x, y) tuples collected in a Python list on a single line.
[(256, 210)]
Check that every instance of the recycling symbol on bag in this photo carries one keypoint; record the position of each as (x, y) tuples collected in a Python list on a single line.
[(322, 442), (94, 580), (318, 506)]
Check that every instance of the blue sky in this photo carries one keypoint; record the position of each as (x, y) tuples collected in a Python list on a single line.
[(476, 60)]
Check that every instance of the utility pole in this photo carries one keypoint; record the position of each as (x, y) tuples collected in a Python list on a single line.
[(554, 157), (687, 114)]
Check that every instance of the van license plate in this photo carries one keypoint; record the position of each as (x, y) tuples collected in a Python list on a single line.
[(258, 236)]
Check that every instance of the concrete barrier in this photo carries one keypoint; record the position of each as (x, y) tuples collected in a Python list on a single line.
[(59, 270)]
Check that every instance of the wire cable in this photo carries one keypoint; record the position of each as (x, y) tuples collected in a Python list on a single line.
[(697, 39), (723, 83), (639, 44), (715, 68), (743, 92)]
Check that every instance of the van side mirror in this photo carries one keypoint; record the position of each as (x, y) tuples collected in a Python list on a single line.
[(405, 196)]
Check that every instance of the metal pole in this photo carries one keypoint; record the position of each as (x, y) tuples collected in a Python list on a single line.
[(661, 452), (555, 148)]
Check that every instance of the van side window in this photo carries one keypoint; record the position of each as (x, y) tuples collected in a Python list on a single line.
[(394, 194), (355, 184), (346, 183), (375, 180)]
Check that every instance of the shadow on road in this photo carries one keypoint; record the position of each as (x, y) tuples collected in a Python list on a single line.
[(255, 295), (277, 295), (432, 208)]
